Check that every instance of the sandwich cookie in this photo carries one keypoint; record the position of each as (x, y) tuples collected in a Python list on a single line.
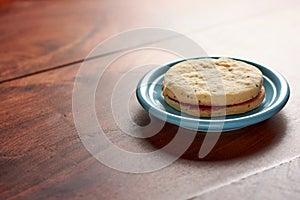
[(208, 87)]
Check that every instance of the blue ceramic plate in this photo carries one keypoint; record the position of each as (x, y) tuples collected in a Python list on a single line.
[(149, 94)]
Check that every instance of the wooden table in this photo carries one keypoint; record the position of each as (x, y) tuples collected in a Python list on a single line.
[(44, 43)]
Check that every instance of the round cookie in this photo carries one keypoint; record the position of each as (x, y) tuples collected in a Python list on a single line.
[(212, 82)]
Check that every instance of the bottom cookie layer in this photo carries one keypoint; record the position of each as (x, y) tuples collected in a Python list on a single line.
[(207, 111)]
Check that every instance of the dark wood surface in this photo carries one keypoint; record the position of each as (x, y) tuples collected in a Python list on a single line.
[(43, 44)]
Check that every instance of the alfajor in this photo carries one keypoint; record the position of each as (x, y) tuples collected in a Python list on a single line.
[(207, 87)]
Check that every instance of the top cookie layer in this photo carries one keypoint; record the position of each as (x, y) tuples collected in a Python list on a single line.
[(216, 82)]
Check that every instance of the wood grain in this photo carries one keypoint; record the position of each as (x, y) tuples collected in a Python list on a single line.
[(40, 35), (39, 144), (41, 154), (280, 182)]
